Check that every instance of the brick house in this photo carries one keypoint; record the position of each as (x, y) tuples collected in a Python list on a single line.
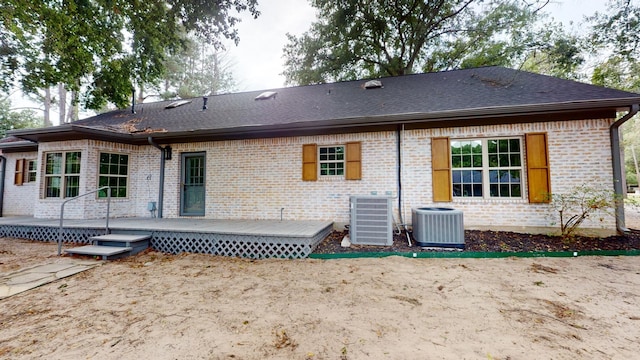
[(489, 141)]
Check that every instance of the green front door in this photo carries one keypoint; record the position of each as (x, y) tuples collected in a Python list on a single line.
[(192, 192)]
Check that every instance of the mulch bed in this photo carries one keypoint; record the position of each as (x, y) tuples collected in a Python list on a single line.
[(494, 241)]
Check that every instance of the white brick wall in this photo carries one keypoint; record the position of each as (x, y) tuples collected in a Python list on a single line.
[(18, 200), (579, 153), (255, 179), (143, 164)]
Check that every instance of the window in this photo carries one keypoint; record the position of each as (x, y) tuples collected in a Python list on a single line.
[(496, 173), (62, 174), (114, 172), (487, 168), (331, 160), (26, 171), (32, 170), (336, 160)]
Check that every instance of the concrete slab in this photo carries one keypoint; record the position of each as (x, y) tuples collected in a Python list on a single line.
[(51, 268), (27, 278), (33, 277)]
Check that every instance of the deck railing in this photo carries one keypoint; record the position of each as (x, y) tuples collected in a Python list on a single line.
[(75, 198)]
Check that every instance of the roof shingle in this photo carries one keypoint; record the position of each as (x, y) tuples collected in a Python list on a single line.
[(442, 95)]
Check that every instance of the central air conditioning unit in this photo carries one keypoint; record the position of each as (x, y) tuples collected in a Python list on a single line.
[(371, 220), (438, 227)]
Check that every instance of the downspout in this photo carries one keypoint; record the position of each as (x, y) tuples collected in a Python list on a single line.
[(399, 134), (162, 165), (399, 174), (3, 169), (618, 171)]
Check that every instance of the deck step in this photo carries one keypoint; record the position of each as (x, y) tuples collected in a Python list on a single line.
[(125, 238), (106, 252), (113, 246)]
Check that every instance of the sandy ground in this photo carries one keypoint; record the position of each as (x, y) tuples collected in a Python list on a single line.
[(156, 306)]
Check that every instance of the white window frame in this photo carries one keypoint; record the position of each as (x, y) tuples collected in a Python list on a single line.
[(64, 176), (329, 161), (31, 171), (102, 194), (486, 169)]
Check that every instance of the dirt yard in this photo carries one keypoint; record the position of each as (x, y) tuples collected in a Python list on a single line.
[(157, 306)]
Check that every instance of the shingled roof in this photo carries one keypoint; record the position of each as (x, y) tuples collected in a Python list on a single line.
[(451, 98)]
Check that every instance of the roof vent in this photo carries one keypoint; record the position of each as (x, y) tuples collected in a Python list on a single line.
[(266, 95), (175, 104), (373, 84), (204, 103)]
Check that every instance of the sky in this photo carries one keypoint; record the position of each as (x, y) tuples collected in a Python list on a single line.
[(258, 62)]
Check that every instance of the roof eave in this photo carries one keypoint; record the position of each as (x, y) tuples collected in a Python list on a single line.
[(70, 132), (18, 146)]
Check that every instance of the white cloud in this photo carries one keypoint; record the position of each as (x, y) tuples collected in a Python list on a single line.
[(258, 60)]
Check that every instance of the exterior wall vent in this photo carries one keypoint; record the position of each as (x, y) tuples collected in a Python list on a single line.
[(437, 227), (371, 220), (266, 95), (175, 104)]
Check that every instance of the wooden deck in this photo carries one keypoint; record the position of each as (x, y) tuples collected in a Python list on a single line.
[(242, 238)]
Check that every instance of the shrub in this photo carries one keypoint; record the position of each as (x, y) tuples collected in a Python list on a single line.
[(581, 203)]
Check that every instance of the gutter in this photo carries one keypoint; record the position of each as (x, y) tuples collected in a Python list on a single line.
[(618, 170), (165, 154)]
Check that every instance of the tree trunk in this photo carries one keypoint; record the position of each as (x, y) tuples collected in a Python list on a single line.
[(140, 97), (215, 86), (62, 106), (47, 107), (73, 110), (635, 164)]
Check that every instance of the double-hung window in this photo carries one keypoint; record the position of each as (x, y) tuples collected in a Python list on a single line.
[(487, 168), (62, 174), (26, 171), (114, 172), (32, 170)]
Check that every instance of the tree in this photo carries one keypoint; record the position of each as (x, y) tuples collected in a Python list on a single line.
[(358, 39), (615, 34), (197, 70), (9, 120), (107, 46)]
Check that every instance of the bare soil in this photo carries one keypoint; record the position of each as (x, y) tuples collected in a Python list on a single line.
[(193, 306)]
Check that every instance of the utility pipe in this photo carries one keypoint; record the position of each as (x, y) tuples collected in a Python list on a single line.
[(3, 169), (618, 170), (162, 165)]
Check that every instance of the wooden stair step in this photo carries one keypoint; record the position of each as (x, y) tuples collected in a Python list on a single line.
[(125, 238), (105, 252)]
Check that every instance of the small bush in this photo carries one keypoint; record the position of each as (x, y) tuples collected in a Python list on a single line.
[(580, 204)]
